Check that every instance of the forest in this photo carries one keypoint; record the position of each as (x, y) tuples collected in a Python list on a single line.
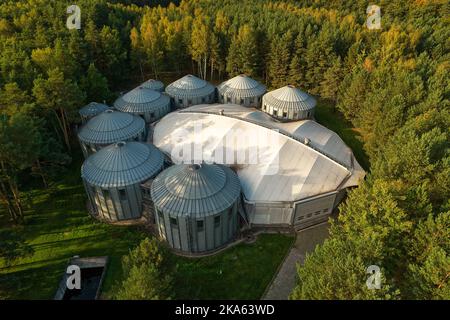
[(390, 83)]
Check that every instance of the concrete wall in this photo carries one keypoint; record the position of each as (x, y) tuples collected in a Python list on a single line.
[(196, 235)]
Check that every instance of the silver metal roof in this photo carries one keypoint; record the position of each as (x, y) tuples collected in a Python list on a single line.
[(241, 86), (141, 100), (153, 85), (111, 126), (299, 159), (122, 164), (92, 109), (190, 86), (289, 98), (195, 190)]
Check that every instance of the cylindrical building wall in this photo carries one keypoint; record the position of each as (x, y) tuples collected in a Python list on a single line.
[(150, 104), (110, 127), (189, 91), (289, 104), (196, 206), (241, 90), (113, 176)]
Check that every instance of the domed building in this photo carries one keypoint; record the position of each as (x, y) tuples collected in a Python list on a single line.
[(289, 104), (191, 90), (150, 104), (292, 174), (241, 90), (153, 85), (113, 176), (196, 206), (110, 127), (91, 110)]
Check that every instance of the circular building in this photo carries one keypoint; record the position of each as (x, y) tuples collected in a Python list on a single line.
[(289, 104), (241, 90), (191, 90), (110, 127), (91, 110), (196, 206), (112, 178), (150, 104), (153, 85)]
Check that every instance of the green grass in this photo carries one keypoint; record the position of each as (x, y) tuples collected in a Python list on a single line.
[(328, 116), (240, 272), (58, 227)]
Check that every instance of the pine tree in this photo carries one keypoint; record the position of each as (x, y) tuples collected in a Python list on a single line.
[(279, 59), (95, 85), (331, 81)]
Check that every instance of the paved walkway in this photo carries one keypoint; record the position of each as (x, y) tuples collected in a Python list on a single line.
[(286, 279)]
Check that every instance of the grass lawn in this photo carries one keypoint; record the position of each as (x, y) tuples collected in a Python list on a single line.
[(329, 117), (58, 227), (241, 272)]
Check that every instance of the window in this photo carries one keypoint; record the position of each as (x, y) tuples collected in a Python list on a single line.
[(242, 101), (308, 114), (189, 102), (228, 99), (300, 218), (317, 213), (295, 115), (200, 226), (203, 100), (309, 215), (230, 214), (275, 112), (160, 214), (252, 100), (221, 97), (152, 115), (284, 114), (174, 222), (216, 221), (180, 101), (325, 210), (122, 194)]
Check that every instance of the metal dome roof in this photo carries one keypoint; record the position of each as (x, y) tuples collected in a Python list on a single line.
[(190, 86), (241, 86), (111, 126), (141, 100), (290, 97), (92, 109), (153, 85), (122, 164), (195, 190)]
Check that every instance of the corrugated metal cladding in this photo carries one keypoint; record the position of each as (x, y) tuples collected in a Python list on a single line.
[(150, 104), (153, 85), (113, 177), (241, 90), (289, 103), (91, 110), (110, 127), (196, 206), (191, 90)]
